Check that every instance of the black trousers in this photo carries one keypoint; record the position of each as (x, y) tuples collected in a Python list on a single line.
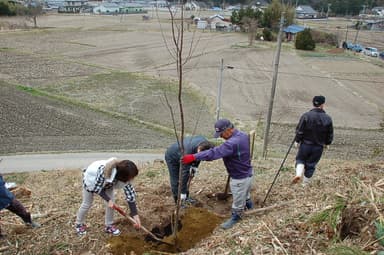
[(309, 155)]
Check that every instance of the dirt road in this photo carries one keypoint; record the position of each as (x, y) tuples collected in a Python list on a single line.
[(67, 161)]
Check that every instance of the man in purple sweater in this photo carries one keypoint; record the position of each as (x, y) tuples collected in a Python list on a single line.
[(236, 156)]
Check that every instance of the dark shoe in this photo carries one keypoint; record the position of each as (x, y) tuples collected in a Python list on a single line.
[(191, 201), (188, 202), (248, 204), (231, 221)]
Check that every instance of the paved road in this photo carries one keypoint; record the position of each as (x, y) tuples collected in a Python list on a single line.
[(36, 162)]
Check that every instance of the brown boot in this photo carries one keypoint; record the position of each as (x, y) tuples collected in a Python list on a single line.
[(296, 179), (299, 173)]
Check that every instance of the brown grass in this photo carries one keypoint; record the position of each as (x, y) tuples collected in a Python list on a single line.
[(56, 196)]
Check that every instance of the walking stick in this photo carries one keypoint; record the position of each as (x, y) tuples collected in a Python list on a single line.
[(278, 172)]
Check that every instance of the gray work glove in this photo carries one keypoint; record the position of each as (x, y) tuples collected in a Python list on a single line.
[(297, 145), (193, 171)]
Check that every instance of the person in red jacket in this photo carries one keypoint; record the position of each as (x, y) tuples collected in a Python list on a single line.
[(236, 156)]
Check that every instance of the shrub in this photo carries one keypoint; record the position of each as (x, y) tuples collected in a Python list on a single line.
[(304, 40), (267, 34), (324, 38), (5, 9)]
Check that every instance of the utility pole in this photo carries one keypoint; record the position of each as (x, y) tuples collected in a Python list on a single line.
[(346, 34), (219, 86), (274, 80), (357, 32)]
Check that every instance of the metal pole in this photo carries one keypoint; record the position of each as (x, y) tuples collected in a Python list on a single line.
[(219, 86), (278, 172), (274, 80)]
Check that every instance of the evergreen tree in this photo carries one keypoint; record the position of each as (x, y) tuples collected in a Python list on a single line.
[(304, 40)]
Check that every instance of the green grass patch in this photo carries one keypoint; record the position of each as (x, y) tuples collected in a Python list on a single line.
[(330, 216), (82, 44), (380, 231), (134, 97), (5, 49), (346, 250), (314, 54), (152, 174), (38, 92), (18, 178)]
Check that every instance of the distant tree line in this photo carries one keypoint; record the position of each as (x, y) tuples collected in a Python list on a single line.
[(11, 8), (269, 18), (340, 7)]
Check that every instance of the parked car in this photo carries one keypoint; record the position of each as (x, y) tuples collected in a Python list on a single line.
[(381, 55), (370, 51), (347, 45), (357, 48)]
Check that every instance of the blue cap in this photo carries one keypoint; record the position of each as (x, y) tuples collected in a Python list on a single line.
[(221, 125)]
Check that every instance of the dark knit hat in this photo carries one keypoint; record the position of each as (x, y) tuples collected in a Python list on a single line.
[(221, 125), (318, 100)]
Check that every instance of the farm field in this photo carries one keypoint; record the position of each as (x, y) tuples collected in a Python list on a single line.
[(83, 59)]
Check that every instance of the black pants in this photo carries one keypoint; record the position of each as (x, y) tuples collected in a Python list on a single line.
[(173, 168), (309, 155)]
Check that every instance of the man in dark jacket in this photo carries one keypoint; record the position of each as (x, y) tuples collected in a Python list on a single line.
[(8, 201), (313, 132), (236, 156), (173, 156)]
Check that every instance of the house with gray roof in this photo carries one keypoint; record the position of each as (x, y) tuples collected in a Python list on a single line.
[(306, 12)]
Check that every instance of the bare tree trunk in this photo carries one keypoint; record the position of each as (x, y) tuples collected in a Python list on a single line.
[(35, 21), (178, 41), (175, 47)]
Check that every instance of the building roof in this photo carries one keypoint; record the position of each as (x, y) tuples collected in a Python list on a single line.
[(216, 16), (294, 29), (109, 5), (305, 9)]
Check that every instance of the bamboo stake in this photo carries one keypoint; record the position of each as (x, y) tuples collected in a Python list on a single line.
[(260, 210), (275, 238)]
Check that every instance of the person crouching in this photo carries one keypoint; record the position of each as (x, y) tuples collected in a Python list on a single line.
[(103, 177)]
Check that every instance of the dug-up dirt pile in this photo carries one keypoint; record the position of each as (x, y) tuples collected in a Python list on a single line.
[(341, 212)]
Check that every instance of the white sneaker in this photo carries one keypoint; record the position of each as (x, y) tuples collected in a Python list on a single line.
[(306, 181)]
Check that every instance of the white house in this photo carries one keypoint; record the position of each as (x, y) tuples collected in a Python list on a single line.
[(191, 6), (215, 19), (202, 24), (159, 4), (379, 10), (106, 8)]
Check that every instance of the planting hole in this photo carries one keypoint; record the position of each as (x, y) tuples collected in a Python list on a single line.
[(196, 224)]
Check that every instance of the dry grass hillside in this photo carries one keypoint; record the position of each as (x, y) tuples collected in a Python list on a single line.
[(341, 212)]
